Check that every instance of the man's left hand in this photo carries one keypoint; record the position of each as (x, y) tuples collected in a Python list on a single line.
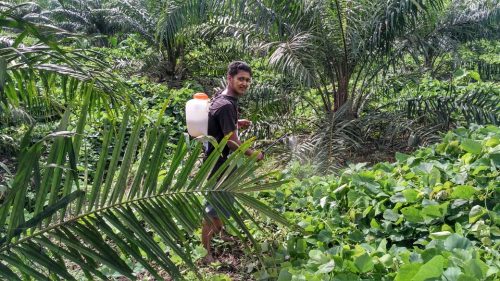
[(244, 123)]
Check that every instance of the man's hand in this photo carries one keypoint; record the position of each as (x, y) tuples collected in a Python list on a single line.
[(244, 123), (251, 152), (260, 156)]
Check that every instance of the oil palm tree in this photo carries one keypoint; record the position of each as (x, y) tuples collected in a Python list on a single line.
[(461, 21), (332, 46), (150, 19), (89, 17), (31, 72)]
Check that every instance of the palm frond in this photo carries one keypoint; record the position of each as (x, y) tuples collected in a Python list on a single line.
[(130, 16), (444, 30), (296, 58), (20, 10), (220, 27), (480, 107), (327, 149), (397, 17), (182, 14), (89, 17), (96, 224), (60, 14), (46, 60), (393, 131)]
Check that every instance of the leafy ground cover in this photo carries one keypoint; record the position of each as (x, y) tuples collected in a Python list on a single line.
[(431, 215)]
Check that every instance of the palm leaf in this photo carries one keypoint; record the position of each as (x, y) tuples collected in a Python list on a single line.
[(181, 14), (296, 57), (124, 215), (23, 65), (480, 107), (328, 147)]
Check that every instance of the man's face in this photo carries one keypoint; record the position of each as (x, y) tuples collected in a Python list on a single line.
[(240, 82)]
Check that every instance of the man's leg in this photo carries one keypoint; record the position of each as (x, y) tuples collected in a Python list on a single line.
[(210, 227), (212, 224)]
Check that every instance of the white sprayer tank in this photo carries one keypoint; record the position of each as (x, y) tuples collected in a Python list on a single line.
[(197, 115)]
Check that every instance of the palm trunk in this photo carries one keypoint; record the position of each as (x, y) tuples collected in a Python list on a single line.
[(342, 93)]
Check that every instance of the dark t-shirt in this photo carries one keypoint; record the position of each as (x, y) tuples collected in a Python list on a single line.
[(222, 120)]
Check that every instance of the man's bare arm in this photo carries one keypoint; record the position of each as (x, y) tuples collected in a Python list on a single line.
[(234, 143)]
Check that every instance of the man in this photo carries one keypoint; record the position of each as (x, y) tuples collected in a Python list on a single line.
[(223, 120)]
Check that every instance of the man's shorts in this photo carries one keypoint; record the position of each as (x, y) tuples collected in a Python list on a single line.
[(211, 212), (209, 209)]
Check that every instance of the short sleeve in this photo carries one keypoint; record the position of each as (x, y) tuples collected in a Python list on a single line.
[(227, 117)]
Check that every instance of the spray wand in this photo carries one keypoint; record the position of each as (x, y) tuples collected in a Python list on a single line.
[(274, 142)]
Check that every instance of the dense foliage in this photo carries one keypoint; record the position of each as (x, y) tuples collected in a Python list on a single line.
[(433, 214)]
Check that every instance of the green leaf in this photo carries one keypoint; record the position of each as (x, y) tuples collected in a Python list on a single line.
[(199, 252), (301, 246), (471, 146), (13, 260), (401, 157), (386, 260), (440, 234), (132, 251), (382, 247), (47, 212), (459, 74), (398, 197), (390, 215), (476, 268), (476, 213), (151, 136), (412, 214), (431, 269), (464, 277), (325, 236), (7, 273), (458, 229), (467, 158), (427, 254), (317, 257), (480, 168), (425, 168), (474, 75), (434, 176), (364, 263), (346, 277), (452, 274), (284, 275), (456, 241), (100, 169), (463, 192), (407, 271), (435, 211), (115, 158), (492, 142), (32, 252), (374, 224), (262, 208), (326, 267), (411, 195), (120, 186)]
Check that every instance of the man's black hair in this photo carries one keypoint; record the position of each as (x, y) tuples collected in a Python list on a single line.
[(236, 66)]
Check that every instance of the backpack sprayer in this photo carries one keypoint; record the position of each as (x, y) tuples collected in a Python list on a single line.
[(197, 118)]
